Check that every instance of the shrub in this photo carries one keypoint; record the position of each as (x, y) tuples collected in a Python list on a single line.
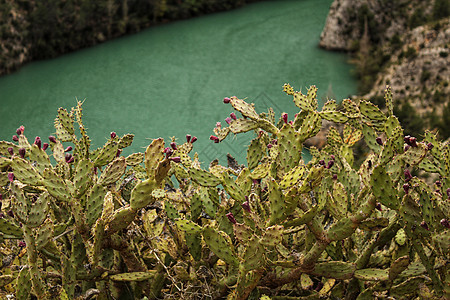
[(97, 223)]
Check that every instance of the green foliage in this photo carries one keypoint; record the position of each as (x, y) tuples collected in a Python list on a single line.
[(97, 222)]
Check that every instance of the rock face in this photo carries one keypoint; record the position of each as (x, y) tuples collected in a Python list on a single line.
[(13, 45), (345, 22), (401, 43), (420, 71)]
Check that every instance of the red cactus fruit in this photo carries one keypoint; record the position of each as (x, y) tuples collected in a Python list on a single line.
[(38, 142), (20, 130), (424, 225), (44, 146), (214, 138), (406, 188), (22, 152), (445, 223), (10, 150), (113, 134), (233, 116), (379, 141), (175, 159), (285, 117), (188, 138), (330, 164), (52, 139), (193, 139), (11, 176), (226, 100), (378, 207), (173, 145), (408, 175), (68, 149), (15, 138), (246, 206), (231, 217)]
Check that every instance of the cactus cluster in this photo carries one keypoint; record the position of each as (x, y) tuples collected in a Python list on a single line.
[(78, 223)]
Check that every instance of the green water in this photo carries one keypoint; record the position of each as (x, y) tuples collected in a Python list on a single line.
[(170, 80)]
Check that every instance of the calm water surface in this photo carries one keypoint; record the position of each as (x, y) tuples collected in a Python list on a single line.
[(170, 80)]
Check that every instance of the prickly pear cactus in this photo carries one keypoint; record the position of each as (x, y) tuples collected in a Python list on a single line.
[(159, 224)]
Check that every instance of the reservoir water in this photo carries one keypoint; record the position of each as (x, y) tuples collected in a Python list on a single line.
[(170, 80)]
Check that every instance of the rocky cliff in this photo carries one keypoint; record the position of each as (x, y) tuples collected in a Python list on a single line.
[(404, 44)]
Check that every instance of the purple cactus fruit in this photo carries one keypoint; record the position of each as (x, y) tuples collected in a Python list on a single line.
[(38, 142), (168, 151), (22, 152), (15, 138), (406, 139), (10, 150), (413, 142), (214, 138), (228, 120), (445, 223), (226, 100), (175, 159), (118, 152), (430, 146), (68, 157), (68, 149), (269, 146), (233, 116), (44, 146), (188, 138), (22, 244), (113, 134), (408, 175), (406, 188), (424, 225), (322, 162), (95, 170), (378, 207), (330, 164), (274, 142), (406, 148), (11, 176), (219, 125), (334, 176), (52, 139), (285, 117), (246, 206), (448, 193), (193, 139), (231, 217), (10, 213), (379, 141), (438, 183), (332, 157), (173, 145), (20, 130)]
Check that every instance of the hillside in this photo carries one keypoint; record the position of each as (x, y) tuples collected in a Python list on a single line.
[(33, 30), (404, 44)]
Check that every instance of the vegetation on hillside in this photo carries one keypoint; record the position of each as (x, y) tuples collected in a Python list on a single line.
[(46, 28)]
